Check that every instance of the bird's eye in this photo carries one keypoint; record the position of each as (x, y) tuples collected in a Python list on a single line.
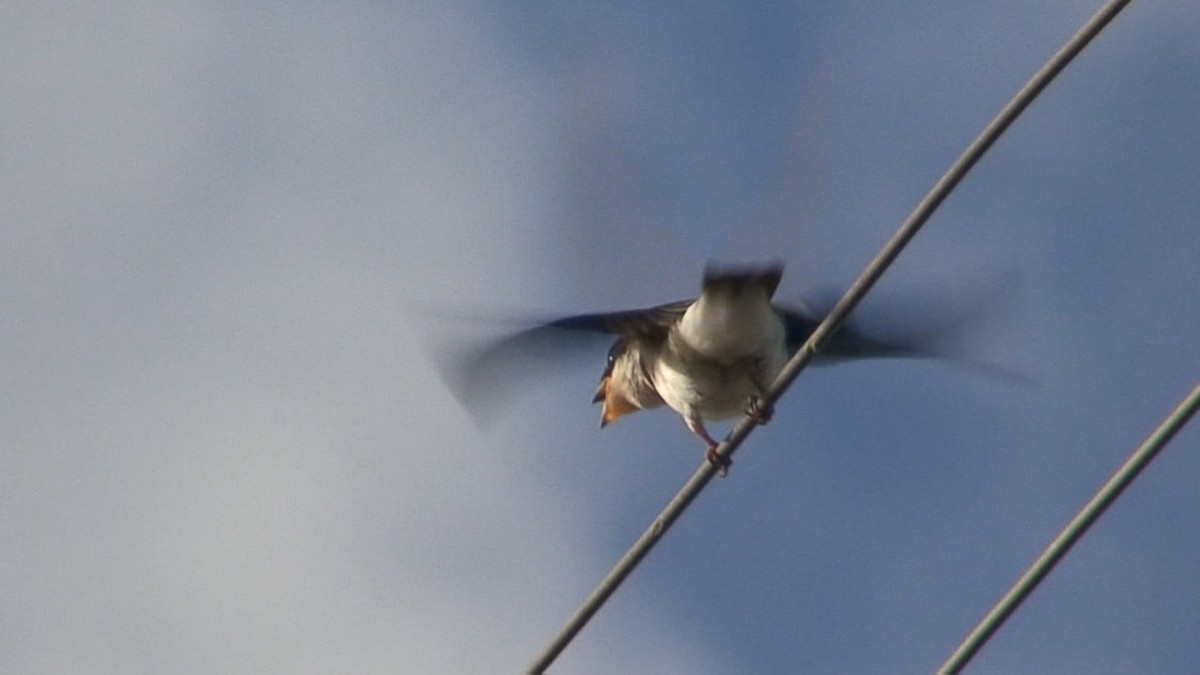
[(614, 352)]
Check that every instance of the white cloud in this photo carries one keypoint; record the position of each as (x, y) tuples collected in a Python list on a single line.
[(224, 232), (226, 450)]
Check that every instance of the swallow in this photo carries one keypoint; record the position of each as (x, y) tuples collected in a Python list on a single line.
[(709, 358)]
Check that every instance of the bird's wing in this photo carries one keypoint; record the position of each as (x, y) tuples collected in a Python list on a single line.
[(847, 342), (943, 338), (651, 324), (486, 374)]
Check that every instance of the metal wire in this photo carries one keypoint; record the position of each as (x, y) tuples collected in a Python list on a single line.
[(1070, 534), (924, 209)]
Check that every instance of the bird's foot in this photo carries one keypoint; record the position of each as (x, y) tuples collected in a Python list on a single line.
[(718, 460), (759, 410)]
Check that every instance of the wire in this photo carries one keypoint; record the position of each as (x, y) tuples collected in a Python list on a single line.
[(1070, 534), (924, 209)]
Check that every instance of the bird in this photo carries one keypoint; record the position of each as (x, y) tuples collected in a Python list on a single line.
[(708, 358)]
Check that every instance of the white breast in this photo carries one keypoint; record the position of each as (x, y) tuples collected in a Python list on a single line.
[(722, 344), (728, 327)]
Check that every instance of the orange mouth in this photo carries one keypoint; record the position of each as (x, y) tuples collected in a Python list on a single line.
[(616, 404)]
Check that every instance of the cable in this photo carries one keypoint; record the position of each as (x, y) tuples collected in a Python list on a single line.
[(1070, 534), (924, 209)]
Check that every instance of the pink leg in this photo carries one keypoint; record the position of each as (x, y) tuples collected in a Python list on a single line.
[(759, 410), (696, 426)]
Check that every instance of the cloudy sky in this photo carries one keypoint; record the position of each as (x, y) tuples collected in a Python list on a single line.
[(232, 237)]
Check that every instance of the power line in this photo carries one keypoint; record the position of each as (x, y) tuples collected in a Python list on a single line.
[(924, 209), (1070, 534)]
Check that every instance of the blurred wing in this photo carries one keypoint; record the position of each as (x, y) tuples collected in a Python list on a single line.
[(488, 373), (650, 324), (912, 333), (847, 342)]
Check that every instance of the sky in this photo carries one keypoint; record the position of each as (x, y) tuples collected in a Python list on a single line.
[(233, 238)]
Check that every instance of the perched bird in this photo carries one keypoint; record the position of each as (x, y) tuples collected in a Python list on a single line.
[(708, 358)]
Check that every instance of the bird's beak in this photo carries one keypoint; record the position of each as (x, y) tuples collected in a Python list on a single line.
[(615, 403), (601, 390)]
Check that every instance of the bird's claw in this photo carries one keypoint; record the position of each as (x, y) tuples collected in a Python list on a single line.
[(718, 460), (759, 410)]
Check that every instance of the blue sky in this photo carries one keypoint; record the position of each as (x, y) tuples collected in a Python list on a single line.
[(232, 237)]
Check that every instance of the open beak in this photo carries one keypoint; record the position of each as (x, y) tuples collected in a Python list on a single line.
[(615, 403), (602, 390)]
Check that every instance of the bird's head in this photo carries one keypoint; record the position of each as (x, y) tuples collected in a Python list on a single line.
[(616, 390)]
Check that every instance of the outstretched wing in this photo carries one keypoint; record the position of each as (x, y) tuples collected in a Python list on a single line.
[(944, 337), (651, 324), (486, 374), (847, 342)]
